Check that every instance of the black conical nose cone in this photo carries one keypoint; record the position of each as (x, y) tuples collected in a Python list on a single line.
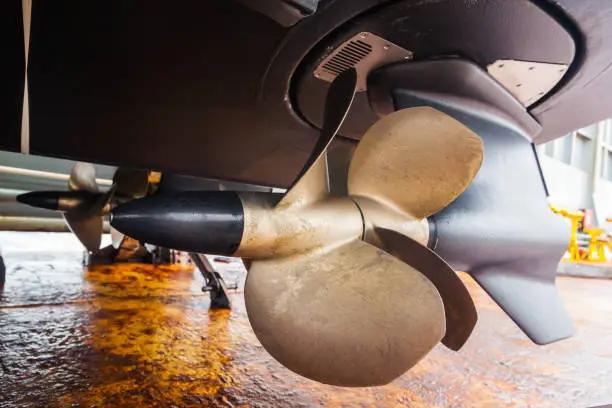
[(203, 221), (140, 219), (40, 199)]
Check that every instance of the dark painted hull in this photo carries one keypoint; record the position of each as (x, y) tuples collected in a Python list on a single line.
[(207, 88)]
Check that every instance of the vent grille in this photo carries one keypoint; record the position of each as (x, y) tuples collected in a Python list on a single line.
[(364, 52), (348, 57)]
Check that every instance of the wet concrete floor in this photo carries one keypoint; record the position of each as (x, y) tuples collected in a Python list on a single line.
[(136, 335)]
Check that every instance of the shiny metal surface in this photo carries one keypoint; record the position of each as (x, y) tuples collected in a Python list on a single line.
[(133, 335), (459, 309), (351, 316), (131, 183), (275, 232), (83, 177), (82, 221), (416, 161), (410, 164), (308, 256), (312, 182), (86, 221), (378, 215), (88, 229)]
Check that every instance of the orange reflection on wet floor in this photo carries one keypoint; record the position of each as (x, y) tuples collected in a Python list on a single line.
[(136, 335), (149, 326)]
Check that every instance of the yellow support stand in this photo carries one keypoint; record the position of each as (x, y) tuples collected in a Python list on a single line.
[(596, 246), (575, 217)]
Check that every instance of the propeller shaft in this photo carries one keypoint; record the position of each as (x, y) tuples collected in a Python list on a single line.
[(239, 224)]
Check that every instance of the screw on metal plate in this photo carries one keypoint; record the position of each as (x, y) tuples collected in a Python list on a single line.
[(528, 81), (365, 52)]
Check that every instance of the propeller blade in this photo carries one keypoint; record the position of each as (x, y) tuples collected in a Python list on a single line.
[(460, 312), (339, 159), (87, 221), (416, 160), (83, 177), (312, 182), (87, 229), (131, 183), (351, 316)]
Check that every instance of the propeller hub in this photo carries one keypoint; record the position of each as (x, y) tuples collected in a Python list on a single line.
[(378, 215), (274, 232)]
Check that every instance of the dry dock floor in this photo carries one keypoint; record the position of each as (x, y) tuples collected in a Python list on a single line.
[(135, 335)]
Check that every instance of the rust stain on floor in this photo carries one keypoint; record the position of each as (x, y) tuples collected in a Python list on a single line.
[(136, 335)]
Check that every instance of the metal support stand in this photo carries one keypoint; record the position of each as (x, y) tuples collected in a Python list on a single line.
[(214, 282), (163, 256)]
